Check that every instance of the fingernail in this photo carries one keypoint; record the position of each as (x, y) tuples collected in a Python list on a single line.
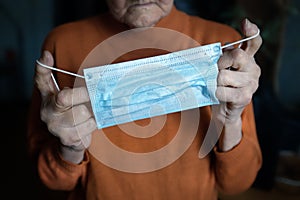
[(46, 54), (247, 23)]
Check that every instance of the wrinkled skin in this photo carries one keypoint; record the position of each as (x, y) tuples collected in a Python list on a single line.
[(58, 109), (139, 13), (235, 87)]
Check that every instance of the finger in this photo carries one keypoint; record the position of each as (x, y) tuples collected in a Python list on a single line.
[(250, 29), (86, 128), (236, 79), (73, 136), (73, 116), (237, 96), (46, 59), (80, 114), (43, 76), (225, 61), (237, 59), (68, 98), (234, 59)]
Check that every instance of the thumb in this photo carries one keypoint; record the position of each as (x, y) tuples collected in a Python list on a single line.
[(43, 75), (250, 29)]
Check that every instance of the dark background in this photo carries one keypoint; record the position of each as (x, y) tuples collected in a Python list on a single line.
[(25, 23)]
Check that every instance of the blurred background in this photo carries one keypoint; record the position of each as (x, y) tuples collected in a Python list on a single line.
[(25, 24)]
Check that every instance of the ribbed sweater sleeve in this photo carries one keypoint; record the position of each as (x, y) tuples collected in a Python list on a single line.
[(236, 169)]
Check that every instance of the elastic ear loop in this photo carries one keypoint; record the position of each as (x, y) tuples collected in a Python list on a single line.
[(80, 76), (241, 41), (59, 70)]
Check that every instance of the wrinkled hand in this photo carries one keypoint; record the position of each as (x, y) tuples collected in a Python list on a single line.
[(237, 81), (237, 86), (65, 112)]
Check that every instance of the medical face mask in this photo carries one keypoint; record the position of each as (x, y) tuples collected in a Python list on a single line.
[(154, 86)]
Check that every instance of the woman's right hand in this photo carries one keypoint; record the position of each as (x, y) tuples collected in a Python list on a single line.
[(65, 112)]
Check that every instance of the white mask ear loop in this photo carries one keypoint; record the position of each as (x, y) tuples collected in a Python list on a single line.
[(241, 41), (59, 70), (55, 83)]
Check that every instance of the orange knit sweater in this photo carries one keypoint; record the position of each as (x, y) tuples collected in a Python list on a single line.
[(188, 177)]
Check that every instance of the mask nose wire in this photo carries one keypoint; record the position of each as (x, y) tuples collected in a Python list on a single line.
[(241, 41)]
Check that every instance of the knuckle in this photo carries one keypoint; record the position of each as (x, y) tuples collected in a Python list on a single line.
[(83, 111), (92, 124), (238, 54), (258, 70), (246, 97), (220, 77), (242, 96), (248, 100), (225, 60), (39, 84), (52, 127), (68, 139), (44, 115), (238, 96), (62, 98), (221, 61), (218, 93), (254, 84), (65, 142), (223, 78)]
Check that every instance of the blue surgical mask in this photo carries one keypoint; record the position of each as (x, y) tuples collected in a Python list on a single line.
[(149, 87)]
